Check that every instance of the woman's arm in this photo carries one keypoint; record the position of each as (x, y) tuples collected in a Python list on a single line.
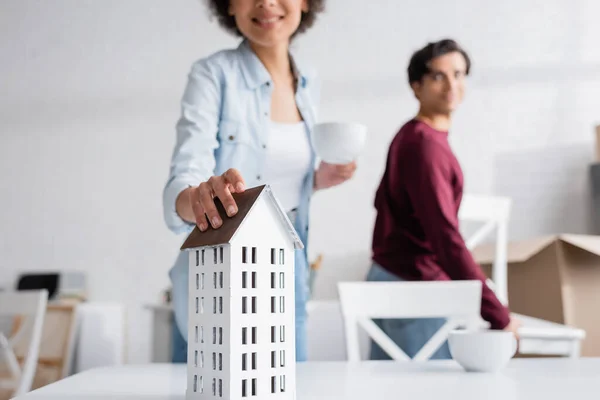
[(193, 160)]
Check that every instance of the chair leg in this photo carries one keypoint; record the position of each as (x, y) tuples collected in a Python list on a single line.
[(383, 340), (31, 360), (352, 340), (575, 349), (435, 342), (9, 356)]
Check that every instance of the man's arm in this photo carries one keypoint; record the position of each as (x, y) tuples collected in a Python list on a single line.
[(428, 173)]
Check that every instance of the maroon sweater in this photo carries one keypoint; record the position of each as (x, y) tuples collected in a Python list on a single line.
[(416, 232)]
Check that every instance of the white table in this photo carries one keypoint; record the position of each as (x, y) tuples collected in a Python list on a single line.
[(547, 379), (542, 337)]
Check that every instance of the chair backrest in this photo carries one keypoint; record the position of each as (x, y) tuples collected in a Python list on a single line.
[(494, 213), (457, 301), (30, 305)]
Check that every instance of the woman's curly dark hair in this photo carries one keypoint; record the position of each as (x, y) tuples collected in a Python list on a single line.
[(220, 9)]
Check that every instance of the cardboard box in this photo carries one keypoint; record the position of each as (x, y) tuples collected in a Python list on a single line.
[(556, 278), (595, 192)]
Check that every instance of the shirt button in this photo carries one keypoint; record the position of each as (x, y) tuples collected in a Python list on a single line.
[(268, 83), (264, 146), (258, 177), (231, 137)]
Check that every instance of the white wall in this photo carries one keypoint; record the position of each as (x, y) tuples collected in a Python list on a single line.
[(525, 129), (89, 97)]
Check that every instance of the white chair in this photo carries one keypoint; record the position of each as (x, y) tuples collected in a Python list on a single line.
[(536, 336), (457, 301), (31, 306), (494, 213)]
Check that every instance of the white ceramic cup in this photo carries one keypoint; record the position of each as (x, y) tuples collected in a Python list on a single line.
[(482, 350), (339, 142)]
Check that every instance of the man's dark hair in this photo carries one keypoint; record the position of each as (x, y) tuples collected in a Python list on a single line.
[(220, 9), (419, 62)]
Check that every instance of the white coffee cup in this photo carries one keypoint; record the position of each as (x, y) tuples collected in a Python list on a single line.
[(482, 350), (339, 142)]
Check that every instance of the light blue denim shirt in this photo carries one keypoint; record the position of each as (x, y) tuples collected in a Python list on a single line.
[(225, 112)]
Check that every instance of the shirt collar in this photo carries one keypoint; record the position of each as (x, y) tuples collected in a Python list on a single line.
[(255, 73)]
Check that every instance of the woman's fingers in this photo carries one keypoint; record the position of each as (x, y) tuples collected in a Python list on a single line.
[(221, 189), (200, 215), (208, 204), (203, 203), (346, 171), (233, 177)]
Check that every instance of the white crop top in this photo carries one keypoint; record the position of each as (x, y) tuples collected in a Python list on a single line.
[(288, 159)]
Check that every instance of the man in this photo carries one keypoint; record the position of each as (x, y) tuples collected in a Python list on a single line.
[(416, 235)]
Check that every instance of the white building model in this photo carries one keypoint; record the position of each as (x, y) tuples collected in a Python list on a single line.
[(241, 336)]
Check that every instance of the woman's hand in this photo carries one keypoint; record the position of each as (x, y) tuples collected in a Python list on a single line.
[(198, 203), (328, 175)]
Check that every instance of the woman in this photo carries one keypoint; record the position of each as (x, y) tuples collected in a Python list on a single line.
[(246, 119)]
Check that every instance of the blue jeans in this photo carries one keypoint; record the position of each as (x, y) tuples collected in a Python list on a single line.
[(409, 334), (179, 345), (179, 280)]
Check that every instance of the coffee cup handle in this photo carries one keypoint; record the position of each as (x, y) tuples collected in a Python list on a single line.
[(515, 346)]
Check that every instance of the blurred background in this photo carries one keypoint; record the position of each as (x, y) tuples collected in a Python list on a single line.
[(89, 98)]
